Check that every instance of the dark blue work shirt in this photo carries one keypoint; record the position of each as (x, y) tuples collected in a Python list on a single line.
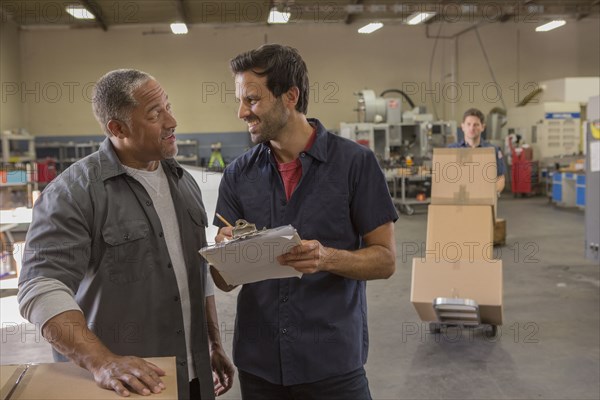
[(483, 143), (291, 331)]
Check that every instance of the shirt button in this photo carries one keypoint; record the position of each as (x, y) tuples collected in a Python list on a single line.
[(148, 203), (182, 363), (284, 299), (302, 155), (160, 234), (179, 331), (169, 265), (126, 236), (176, 298), (284, 331)]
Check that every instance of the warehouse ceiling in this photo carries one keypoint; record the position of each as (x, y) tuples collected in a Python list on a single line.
[(30, 14)]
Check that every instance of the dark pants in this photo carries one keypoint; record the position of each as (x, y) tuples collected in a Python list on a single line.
[(350, 386), (195, 389)]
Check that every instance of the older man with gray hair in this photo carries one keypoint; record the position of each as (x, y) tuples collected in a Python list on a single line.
[(111, 270)]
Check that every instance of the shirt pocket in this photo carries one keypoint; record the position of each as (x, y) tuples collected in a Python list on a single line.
[(127, 258), (326, 219), (198, 216)]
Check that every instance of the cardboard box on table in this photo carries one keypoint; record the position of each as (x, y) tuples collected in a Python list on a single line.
[(66, 381), (464, 176), (477, 280)]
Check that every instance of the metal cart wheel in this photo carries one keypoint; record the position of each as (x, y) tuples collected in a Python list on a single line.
[(492, 332)]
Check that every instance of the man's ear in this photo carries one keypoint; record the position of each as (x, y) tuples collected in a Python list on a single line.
[(291, 96), (117, 128)]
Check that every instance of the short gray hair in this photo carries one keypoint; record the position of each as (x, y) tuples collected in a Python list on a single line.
[(112, 97)]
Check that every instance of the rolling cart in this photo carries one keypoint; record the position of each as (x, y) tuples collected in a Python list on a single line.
[(458, 312)]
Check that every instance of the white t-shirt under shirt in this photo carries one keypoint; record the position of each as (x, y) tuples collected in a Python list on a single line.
[(156, 184)]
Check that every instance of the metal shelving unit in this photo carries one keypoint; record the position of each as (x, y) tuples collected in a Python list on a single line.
[(17, 174), (188, 152), (66, 153)]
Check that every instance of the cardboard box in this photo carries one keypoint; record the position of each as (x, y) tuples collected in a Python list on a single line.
[(457, 233), (480, 281), (66, 381), (500, 232), (464, 176)]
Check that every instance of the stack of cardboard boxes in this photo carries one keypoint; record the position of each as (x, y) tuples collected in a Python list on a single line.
[(458, 259)]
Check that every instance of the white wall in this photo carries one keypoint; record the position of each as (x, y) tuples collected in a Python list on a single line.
[(10, 77), (59, 67)]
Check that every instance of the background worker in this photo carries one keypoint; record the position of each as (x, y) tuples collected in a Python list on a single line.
[(473, 125)]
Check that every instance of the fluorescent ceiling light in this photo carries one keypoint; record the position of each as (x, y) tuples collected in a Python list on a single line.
[(79, 12), (179, 28), (419, 18), (369, 28), (276, 17), (550, 25)]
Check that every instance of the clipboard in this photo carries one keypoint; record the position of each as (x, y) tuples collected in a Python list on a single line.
[(251, 256)]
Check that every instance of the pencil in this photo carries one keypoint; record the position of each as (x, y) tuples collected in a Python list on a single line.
[(223, 220)]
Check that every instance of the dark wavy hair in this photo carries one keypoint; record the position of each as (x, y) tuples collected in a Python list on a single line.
[(282, 65)]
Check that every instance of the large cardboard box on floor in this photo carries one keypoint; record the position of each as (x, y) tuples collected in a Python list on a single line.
[(456, 233), (480, 281), (465, 176)]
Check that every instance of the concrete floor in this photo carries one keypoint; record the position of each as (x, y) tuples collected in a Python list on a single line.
[(548, 347)]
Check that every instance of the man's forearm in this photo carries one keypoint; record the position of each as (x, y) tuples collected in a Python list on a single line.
[(377, 260), (373, 262), (69, 335), (212, 321)]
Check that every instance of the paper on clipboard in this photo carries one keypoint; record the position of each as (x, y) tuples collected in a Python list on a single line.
[(253, 258)]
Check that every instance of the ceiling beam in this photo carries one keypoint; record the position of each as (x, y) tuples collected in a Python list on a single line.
[(351, 17), (183, 13), (95, 9)]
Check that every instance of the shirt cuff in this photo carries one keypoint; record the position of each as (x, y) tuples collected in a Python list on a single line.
[(41, 299)]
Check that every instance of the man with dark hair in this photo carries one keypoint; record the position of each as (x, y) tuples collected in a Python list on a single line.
[(304, 338), (473, 125), (111, 270)]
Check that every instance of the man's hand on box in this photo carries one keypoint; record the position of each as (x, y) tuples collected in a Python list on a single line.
[(125, 374)]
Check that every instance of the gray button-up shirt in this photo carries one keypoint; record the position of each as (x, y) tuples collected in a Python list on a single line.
[(95, 229)]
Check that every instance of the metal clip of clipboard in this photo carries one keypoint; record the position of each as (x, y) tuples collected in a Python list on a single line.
[(244, 228)]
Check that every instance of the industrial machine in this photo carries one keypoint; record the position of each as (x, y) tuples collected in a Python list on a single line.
[(400, 139), (397, 137), (551, 128), (551, 123)]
